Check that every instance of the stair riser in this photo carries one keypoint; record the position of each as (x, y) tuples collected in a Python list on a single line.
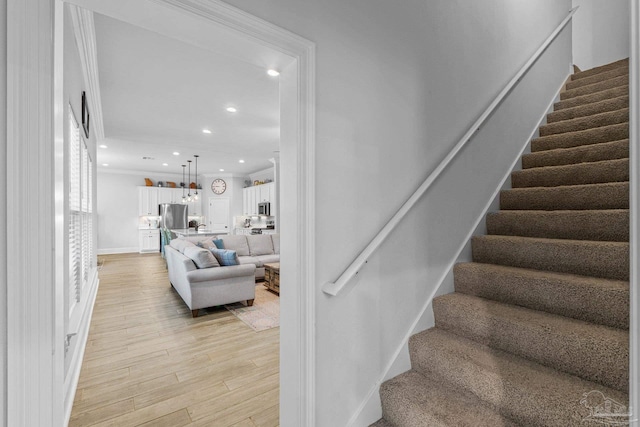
[(589, 109), (539, 338), (599, 196), (609, 260), (581, 138), (603, 225), (536, 397), (584, 154), (589, 122), (596, 87), (606, 75), (592, 300), (623, 63), (591, 98), (585, 173)]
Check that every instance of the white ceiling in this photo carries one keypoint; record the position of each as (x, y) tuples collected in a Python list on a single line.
[(158, 94)]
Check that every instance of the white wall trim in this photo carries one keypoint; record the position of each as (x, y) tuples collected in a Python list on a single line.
[(85, 34), (35, 360), (634, 212), (71, 383), (369, 401)]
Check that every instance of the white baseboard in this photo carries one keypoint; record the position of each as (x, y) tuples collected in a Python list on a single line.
[(369, 409), (109, 251), (71, 382)]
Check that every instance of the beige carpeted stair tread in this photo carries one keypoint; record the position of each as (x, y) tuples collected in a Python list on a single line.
[(593, 352), (413, 400), (382, 423), (609, 260), (582, 137), (605, 75), (592, 98), (624, 63), (595, 87), (595, 300), (603, 106), (581, 154), (610, 225), (527, 392), (612, 195), (582, 173), (588, 122)]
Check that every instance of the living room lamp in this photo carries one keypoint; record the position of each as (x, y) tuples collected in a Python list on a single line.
[(189, 199), (184, 199), (195, 196)]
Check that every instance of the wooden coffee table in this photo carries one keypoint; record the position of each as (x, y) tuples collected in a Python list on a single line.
[(272, 277)]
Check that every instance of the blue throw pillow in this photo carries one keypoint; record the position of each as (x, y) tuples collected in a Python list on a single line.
[(225, 257), (219, 243)]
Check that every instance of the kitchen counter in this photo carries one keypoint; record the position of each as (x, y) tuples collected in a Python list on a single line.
[(187, 232)]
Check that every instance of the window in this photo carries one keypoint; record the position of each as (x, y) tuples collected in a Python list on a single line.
[(81, 259)]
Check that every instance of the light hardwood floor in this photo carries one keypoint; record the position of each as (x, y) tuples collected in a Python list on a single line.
[(149, 363)]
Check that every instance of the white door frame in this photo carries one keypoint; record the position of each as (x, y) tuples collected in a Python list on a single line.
[(34, 295)]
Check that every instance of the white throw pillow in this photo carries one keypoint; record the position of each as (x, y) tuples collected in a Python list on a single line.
[(202, 258)]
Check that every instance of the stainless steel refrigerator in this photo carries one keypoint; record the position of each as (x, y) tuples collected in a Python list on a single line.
[(173, 216)]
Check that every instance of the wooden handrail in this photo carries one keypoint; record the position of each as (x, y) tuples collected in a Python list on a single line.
[(334, 288)]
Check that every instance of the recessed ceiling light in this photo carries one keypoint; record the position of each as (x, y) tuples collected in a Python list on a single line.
[(231, 109), (175, 153), (105, 164), (103, 146), (240, 161), (206, 131), (273, 73), (165, 164), (221, 170)]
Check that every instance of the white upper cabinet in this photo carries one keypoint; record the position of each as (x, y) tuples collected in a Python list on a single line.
[(147, 201)]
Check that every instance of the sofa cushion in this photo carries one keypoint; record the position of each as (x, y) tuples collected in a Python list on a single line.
[(219, 243), (205, 243), (268, 259), (250, 260), (225, 257), (260, 244), (275, 238), (236, 243), (202, 258), (180, 244)]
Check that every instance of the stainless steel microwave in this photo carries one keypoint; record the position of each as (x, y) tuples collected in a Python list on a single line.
[(264, 208)]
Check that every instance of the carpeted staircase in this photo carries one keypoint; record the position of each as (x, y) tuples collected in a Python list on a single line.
[(536, 332)]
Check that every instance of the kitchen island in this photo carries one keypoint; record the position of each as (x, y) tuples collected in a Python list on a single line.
[(191, 232)]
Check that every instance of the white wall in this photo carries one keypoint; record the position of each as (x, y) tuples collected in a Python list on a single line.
[(117, 204), (600, 32), (397, 86), (3, 215)]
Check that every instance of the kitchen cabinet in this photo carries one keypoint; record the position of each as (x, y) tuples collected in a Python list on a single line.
[(251, 196), (149, 240), (147, 201)]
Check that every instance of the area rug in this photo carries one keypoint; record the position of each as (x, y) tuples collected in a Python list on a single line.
[(263, 314)]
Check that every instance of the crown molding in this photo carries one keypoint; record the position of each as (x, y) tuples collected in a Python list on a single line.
[(85, 33)]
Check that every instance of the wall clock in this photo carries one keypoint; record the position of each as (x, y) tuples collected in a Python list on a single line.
[(218, 186)]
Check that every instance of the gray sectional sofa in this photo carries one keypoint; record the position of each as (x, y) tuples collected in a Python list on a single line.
[(200, 280)]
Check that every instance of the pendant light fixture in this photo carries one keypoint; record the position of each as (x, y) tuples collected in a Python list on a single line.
[(195, 196), (184, 199), (189, 183)]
